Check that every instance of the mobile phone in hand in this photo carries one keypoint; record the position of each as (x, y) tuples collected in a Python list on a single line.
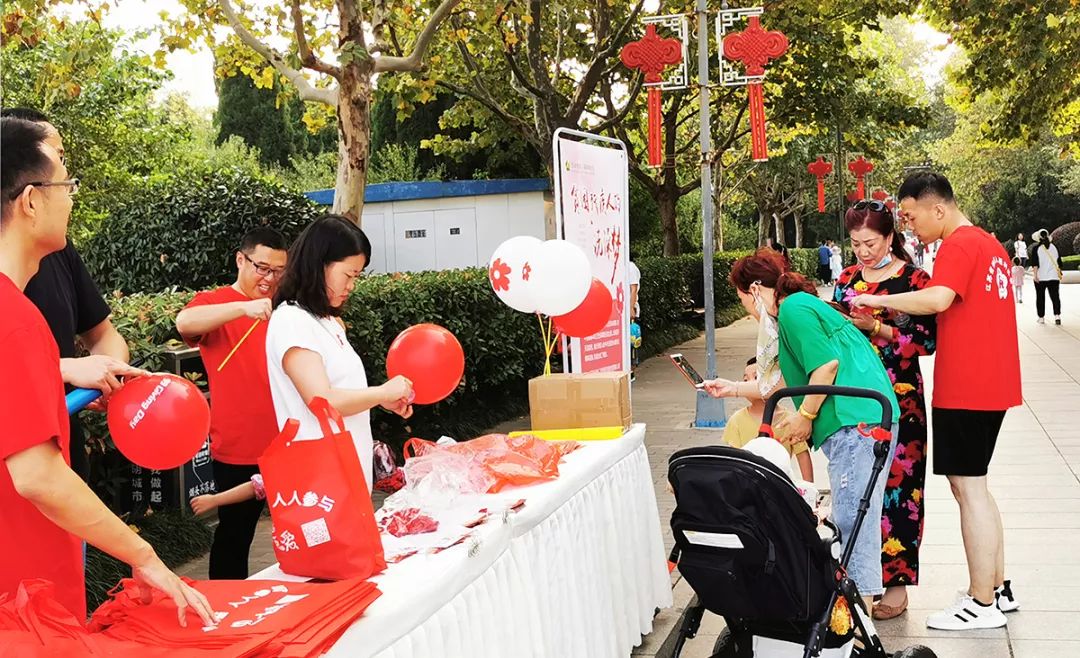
[(687, 370)]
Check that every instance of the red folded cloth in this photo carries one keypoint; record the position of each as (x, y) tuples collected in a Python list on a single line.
[(255, 619)]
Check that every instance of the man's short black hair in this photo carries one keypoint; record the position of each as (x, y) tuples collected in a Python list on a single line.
[(924, 183), (266, 237), (24, 113), (24, 160), (752, 361)]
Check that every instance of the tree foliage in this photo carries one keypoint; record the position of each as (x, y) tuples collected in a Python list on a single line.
[(1026, 52), (99, 94)]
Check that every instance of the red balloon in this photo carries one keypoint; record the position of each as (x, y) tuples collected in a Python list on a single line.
[(590, 316), (159, 421), (431, 358)]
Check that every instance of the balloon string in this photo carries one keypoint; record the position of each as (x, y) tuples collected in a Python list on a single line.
[(547, 352), (552, 338)]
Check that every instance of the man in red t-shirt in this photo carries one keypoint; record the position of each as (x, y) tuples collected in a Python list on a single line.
[(242, 419), (976, 380), (45, 508)]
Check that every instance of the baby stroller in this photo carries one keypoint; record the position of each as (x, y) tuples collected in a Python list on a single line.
[(750, 547)]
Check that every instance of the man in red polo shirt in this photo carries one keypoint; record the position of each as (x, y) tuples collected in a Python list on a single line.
[(242, 420), (45, 508), (976, 380)]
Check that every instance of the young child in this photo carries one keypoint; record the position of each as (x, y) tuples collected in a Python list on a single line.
[(1018, 280), (743, 426), (238, 494)]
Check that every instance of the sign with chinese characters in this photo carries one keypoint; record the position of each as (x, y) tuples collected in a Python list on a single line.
[(592, 211), (171, 489)]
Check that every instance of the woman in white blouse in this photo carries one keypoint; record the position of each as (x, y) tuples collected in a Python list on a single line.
[(307, 352)]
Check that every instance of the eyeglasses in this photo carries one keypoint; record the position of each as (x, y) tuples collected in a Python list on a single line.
[(263, 270), (72, 184), (874, 205)]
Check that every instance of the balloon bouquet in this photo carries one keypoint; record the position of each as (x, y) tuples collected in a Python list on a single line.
[(552, 278)]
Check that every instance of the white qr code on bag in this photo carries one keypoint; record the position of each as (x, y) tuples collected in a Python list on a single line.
[(315, 532)]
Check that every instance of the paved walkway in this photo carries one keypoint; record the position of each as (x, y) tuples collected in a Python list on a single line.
[(1035, 477)]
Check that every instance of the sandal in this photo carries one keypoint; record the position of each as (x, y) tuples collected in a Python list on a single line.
[(883, 611)]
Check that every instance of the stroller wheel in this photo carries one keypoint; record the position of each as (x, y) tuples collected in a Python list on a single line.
[(727, 646)]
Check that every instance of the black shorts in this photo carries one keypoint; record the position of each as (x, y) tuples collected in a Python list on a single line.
[(964, 440)]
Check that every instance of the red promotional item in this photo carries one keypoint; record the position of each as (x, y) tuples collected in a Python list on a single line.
[(324, 524), (159, 421), (511, 461), (262, 618), (431, 358), (590, 316)]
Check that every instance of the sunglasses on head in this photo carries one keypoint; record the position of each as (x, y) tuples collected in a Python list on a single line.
[(875, 205)]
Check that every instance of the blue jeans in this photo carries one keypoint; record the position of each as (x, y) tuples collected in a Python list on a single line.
[(851, 460)]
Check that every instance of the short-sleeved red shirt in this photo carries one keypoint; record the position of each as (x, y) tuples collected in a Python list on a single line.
[(32, 411), (978, 357), (242, 420)]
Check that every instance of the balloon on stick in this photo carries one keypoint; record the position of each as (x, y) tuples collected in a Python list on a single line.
[(559, 277), (590, 316), (507, 273)]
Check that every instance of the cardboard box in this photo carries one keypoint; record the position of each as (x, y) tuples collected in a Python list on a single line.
[(598, 399)]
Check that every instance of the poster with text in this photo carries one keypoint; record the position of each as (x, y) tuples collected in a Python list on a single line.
[(593, 213)]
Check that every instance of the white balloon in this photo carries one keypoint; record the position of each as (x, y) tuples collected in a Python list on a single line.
[(559, 277), (505, 272)]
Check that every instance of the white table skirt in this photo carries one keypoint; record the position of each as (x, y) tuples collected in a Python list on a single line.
[(578, 572)]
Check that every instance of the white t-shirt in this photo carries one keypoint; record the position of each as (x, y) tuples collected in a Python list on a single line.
[(633, 274), (1046, 262), (1020, 247), (291, 326)]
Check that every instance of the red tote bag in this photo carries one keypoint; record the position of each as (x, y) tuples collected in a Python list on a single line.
[(324, 523)]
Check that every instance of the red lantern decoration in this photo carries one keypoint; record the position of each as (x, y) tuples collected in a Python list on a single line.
[(860, 166), (820, 168), (651, 55), (879, 195), (755, 47)]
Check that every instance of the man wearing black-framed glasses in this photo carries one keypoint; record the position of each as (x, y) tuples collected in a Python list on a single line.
[(229, 327), (47, 509), (74, 309)]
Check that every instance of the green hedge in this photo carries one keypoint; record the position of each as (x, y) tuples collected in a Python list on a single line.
[(184, 230), (1071, 262)]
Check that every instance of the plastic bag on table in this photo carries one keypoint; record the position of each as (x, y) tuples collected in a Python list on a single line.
[(442, 475), (510, 461), (408, 521)]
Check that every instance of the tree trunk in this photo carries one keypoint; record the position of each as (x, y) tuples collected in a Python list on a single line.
[(668, 226), (763, 228), (354, 142), (779, 221), (798, 229)]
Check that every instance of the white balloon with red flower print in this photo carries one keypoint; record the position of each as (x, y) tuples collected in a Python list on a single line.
[(559, 277), (508, 274)]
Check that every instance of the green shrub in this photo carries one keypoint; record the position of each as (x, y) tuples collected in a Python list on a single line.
[(183, 231), (1071, 262), (1064, 236)]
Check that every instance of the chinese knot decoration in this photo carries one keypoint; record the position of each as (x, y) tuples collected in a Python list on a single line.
[(755, 47), (651, 55), (819, 169), (860, 166)]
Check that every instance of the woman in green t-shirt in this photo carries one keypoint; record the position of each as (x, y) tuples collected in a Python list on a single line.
[(805, 341)]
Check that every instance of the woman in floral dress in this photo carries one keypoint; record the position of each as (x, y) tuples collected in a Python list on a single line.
[(884, 268)]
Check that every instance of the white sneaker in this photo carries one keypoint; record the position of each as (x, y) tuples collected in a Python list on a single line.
[(965, 615), (1006, 602), (1041, 320)]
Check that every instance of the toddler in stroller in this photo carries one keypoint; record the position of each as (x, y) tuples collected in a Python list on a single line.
[(754, 553)]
